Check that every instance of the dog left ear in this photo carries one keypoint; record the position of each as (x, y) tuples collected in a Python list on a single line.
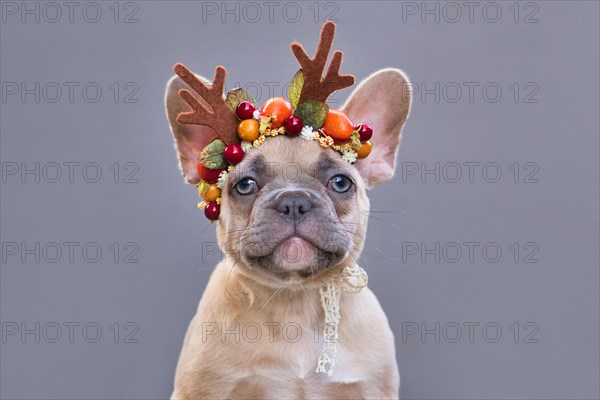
[(383, 101), (189, 139), (208, 116)]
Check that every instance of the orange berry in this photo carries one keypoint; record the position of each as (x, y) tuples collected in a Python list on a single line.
[(278, 108), (211, 193), (338, 126), (364, 150), (248, 130)]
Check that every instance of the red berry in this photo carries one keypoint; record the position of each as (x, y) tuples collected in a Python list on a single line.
[(212, 211), (364, 132), (233, 154), (207, 174), (245, 110), (293, 125)]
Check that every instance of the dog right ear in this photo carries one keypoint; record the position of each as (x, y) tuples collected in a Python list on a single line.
[(383, 101), (189, 139)]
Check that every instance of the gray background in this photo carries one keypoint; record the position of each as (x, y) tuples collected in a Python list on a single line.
[(558, 295)]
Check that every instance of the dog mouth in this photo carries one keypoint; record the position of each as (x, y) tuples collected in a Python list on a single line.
[(296, 255)]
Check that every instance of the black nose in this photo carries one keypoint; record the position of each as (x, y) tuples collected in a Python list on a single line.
[(293, 205)]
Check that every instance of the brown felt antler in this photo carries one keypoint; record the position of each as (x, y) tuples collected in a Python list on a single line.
[(220, 117), (315, 87)]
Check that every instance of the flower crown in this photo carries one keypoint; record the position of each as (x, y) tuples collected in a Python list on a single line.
[(240, 126)]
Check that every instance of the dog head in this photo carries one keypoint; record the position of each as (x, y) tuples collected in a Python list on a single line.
[(293, 210)]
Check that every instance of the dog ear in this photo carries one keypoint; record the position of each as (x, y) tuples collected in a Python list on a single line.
[(383, 101), (189, 139)]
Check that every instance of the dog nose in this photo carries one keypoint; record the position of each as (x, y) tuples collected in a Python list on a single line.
[(293, 205)]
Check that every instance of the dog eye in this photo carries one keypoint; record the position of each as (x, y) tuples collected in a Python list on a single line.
[(246, 186), (341, 183)]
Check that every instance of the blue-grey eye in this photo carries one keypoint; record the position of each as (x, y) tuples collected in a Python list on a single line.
[(341, 183), (246, 186)]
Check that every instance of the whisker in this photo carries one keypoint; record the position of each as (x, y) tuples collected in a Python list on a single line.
[(386, 221), (202, 231), (273, 295), (309, 302), (367, 240), (230, 271), (381, 257)]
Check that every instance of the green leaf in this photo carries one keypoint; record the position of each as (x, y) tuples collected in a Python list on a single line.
[(295, 89), (201, 186), (236, 96), (212, 155), (264, 124), (312, 113), (355, 141)]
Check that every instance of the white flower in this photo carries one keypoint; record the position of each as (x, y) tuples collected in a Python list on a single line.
[(307, 133), (256, 114), (222, 179), (349, 155), (246, 146)]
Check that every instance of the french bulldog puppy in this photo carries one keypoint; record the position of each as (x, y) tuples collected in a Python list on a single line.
[(293, 215)]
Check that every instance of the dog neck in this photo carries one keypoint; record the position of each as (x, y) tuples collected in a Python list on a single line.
[(248, 293)]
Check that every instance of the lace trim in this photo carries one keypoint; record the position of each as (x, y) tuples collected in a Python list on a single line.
[(352, 280)]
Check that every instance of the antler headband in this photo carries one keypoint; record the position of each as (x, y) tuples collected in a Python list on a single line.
[(240, 126)]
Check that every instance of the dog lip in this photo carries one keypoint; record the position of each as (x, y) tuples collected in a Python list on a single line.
[(308, 240), (256, 258), (282, 241), (297, 235), (339, 253)]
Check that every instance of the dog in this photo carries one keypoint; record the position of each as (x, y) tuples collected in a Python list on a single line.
[(299, 220)]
